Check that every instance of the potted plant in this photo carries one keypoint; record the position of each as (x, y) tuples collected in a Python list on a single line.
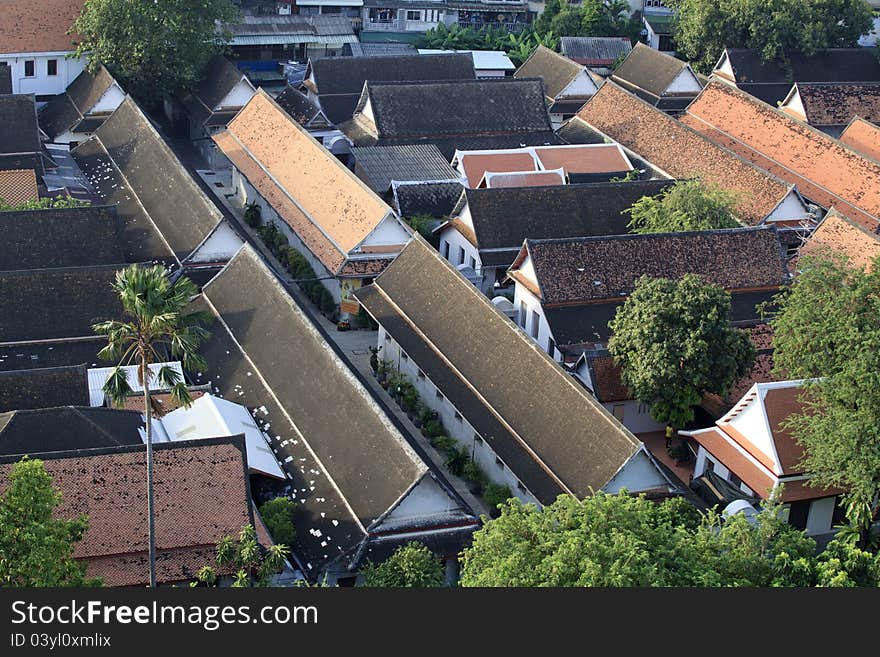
[(475, 477), (494, 495)]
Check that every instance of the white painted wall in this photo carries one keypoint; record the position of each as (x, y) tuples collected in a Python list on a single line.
[(582, 85), (819, 516), (239, 96), (796, 106), (460, 250), (389, 232), (459, 429), (529, 307), (109, 101), (220, 246), (752, 422), (634, 415), (425, 500), (638, 474), (704, 457), (684, 82), (246, 193), (42, 84), (791, 208)]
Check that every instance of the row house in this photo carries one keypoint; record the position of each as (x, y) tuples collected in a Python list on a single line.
[(862, 137), (522, 418), (77, 112), (660, 79), (833, 106)]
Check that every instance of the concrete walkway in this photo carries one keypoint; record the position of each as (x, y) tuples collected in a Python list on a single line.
[(354, 344)]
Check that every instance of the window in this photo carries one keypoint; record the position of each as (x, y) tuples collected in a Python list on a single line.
[(413, 15), (458, 416), (732, 478), (472, 262), (536, 324), (460, 255), (403, 355), (52, 67), (520, 487), (439, 394), (421, 375), (618, 410), (551, 346), (798, 512), (709, 467), (29, 68), (523, 314), (499, 462), (477, 440), (643, 408), (444, 249)]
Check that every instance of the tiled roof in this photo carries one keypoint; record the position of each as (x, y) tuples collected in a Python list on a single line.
[(163, 400), (557, 71), (837, 103), (552, 434), (37, 25), (91, 237), (339, 81), (301, 108), (475, 165), (605, 158), (681, 151), (589, 269), (840, 235), (20, 145), (201, 494), (161, 208), (434, 199), (649, 70), (64, 111), (63, 428), (379, 165), (324, 203), (451, 108), (18, 186), (523, 179), (863, 137), (43, 388), (56, 303), (605, 375), (831, 65), (503, 218), (823, 169), (595, 51)]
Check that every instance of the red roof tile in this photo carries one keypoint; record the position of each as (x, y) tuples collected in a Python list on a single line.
[(37, 25), (863, 137), (837, 234), (680, 151), (823, 169)]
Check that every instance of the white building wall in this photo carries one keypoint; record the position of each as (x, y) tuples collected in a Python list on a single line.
[(246, 193), (455, 427), (109, 101), (529, 309), (820, 515), (220, 246), (389, 232), (634, 415), (796, 106), (42, 84), (239, 96), (426, 499), (704, 457), (458, 250), (638, 474), (791, 208), (684, 82), (582, 85)]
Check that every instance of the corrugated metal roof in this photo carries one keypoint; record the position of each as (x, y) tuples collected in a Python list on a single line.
[(483, 59), (282, 39), (98, 377)]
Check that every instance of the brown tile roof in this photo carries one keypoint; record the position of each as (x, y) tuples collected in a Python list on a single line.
[(863, 137), (327, 206), (477, 164), (18, 186), (201, 494), (836, 103), (602, 268), (838, 234), (605, 374), (37, 25), (557, 71), (719, 445), (823, 169), (583, 158), (162, 399), (682, 152), (523, 179), (779, 404)]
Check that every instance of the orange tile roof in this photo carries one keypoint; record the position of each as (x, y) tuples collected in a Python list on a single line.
[(585, 158), (523, 179), (37, 25), (863, 137), (476, 165), (162, 399), (200, 495), (18, 186), (838, 234), (681, 151), (823, 169), (320, 199)]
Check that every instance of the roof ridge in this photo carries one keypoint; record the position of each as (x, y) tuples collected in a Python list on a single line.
[(650, 236)]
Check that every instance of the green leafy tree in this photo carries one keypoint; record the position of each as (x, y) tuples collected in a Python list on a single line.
[(254, 565), (36, 550), (828, 326), (411, 565), (844, 564), (157, 328), (686, 205), (45, 204), (153, 48), (673, 342), (623, 540), (277, 513), (703, 29)]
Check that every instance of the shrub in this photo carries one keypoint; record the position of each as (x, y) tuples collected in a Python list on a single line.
[(445, 445), (279, 243), (473, 473), (253, 215), (433, 428), (496, 494), (277, 513), (457, 461)]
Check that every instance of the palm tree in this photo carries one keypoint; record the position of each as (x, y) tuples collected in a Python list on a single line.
[(158, 326)]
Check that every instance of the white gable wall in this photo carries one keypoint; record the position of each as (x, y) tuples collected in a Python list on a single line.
[(792, 208), (41, 83), (684, 82), (582, 85), (109, 101), (220, 246), (425, 500), (239, 96), (638, 474), (531, 319), (389, 232), (795, 105)]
